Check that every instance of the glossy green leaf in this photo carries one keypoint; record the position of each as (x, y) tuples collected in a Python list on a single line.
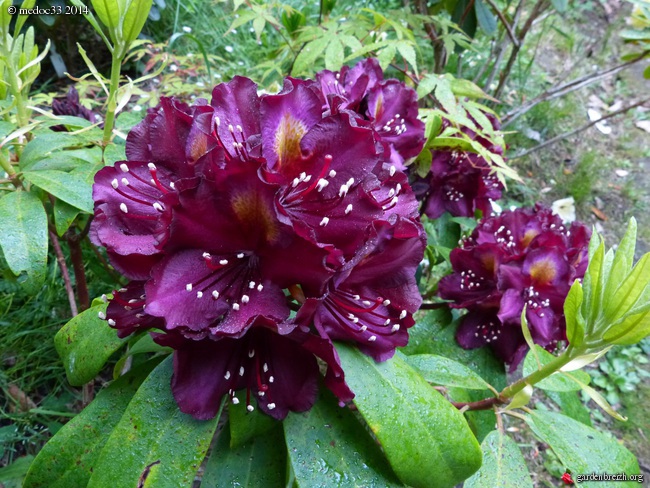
[(558, 381), (67, 460), (134, 19), (580, 448), (15, 472), (591, 282), (245, 425), (503, 465), (85, 343), (69, 187), (260, 463), (328, 446), (571, 405), (407, 51), (48, 144), (575, 322), (447, 372), (23, 237), (64, 215), (426, 440), (334, 55), (154, 443)]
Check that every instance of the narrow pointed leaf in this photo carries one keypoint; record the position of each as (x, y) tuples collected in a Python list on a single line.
[(503, 465), (575, 322), (68, 459), (328, 446), (154, 444), (23, 237), (580, 448), (260, 463), (426, 440)]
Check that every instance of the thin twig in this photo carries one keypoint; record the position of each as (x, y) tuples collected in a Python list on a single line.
[(578, 130), (76, 256), (439, 54), (566, 88), (504, 21), (64, 272), (485, 404), (537, 10), (501, 48)]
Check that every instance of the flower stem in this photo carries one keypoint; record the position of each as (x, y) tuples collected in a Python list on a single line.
[(109, 122)]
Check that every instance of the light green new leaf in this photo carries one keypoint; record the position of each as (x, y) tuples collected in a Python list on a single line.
[(334, 55), (72, 188), (575, 322), (68, 459), (580, 448), (624, 258), (447, 372), (426, 440), (23, 237), (627, 294), (556, 382), (154, 443), (134, 19), (85, 343), (260, 463), (503, 465), (407, 51), (109, 12), (329, 447)]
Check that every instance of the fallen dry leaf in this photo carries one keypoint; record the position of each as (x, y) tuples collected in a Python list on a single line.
[(599, 213)]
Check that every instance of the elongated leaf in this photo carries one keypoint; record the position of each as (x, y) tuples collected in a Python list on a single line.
[(329, 447), (575, 322), (109, 12), (260, 463), (486, 20), (85, 343), (447, 372), (426, 440), (334, 55), (629, 291), (558, 381), (503, 465), (154, 443), (134, 19), (580, 448), (624, 258), (64, 215), (70, 187), (245, 425), (571, 405), (23, 237), (68, 459)]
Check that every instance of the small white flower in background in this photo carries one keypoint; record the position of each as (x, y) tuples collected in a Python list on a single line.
[(240, 63), (565, 208), (187, 29), (234, 31), (190, 55), (137, 108), (216, 75), (200, 84), (229, 49), (173, 67), (251, 30)]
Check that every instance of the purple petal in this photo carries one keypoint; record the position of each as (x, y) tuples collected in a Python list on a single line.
[(196, 291)]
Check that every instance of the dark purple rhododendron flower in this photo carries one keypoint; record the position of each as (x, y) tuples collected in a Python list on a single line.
[(227, 215), (521, 257), (460, 182), (388, 106), (70, 105)]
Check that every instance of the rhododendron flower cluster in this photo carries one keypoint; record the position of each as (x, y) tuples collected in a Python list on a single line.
[(525, 257), (228, 215), (460, 182), (70, 105)]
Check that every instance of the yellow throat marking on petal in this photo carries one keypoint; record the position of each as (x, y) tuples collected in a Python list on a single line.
[(255, 215), (287, 139), (543, 271), (529, 236)]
